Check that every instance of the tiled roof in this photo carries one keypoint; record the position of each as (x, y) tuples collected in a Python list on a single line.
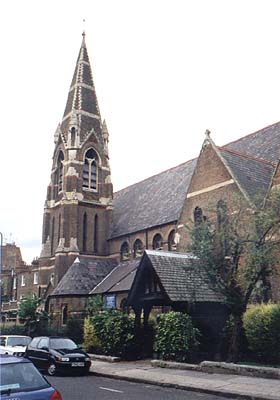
[(155, 201), (254, 176), (83, 275), (178, 276), (120, 279)]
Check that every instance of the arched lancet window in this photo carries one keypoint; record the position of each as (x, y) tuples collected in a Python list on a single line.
[(64, 314), (157, 242), (222, 213), (95, 234), (171, 242), (73, 136), (124, 251), (197, 215), (60, 170), (59, 228), (85, 232), (52, 236), (90, 170), (138, 248)]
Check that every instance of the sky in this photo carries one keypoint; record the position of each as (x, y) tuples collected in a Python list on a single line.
[(164, 72)]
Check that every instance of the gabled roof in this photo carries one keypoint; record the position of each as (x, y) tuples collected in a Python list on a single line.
[(263, 144), (159, 199), (120, 279), (155, 201), (176, 272), (254, 176), (83, 275)]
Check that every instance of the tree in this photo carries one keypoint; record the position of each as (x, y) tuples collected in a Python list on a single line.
[(236, 253), (31, 314)]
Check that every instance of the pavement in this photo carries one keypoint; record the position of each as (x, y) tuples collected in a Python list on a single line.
[(171, 375)]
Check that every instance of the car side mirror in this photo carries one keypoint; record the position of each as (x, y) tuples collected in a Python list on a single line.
[(45, 348)]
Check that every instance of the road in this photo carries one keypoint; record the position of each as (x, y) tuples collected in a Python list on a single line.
[(93, 387)]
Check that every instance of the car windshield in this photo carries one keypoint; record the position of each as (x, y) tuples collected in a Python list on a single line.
[(61, 343), (18, 341), (21, 377)]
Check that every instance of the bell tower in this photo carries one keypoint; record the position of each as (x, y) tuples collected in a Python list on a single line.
[(79, 197)]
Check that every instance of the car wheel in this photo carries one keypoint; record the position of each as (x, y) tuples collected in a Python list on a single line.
[(51, 369)]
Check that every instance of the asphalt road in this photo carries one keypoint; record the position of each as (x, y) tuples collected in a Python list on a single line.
[(97, 388)]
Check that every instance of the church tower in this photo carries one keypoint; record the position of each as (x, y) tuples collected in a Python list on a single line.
[(79, 197)]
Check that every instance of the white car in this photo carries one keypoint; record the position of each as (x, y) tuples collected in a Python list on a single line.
[(14, 344)]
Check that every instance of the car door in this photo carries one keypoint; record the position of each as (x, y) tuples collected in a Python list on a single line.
[(42, 353)]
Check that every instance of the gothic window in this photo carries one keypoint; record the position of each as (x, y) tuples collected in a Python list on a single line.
[(36, 278), (90, 170), (85, 232), (64, 314), (157, 242), (59, 228), (124, 251), (60, 170), (22, 280), (197, 215), (171, 242), (123, 305), (52, 278), (52, 237), (73, 134), (95, 235), (138, 248), (222, 213)]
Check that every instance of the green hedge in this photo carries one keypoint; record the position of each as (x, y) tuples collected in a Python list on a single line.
[(176, 338), (115, 333), (262, 329)]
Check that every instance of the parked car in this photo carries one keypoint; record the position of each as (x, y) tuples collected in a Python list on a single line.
[(14, 344), (57, 354), (21, 380)]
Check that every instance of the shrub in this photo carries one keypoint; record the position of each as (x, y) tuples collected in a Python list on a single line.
[(12, 329), (262, 328), (114, 330), (91, 342), (74, 330), (176, 338)]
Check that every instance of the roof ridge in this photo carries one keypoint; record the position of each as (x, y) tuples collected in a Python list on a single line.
[(247, 156), (159, 173), (250, 134)]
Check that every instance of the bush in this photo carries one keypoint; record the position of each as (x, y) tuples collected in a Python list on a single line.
[(91, 342), (12, 329), (114, 330), (74, 330), (262, 328), (176, 338)]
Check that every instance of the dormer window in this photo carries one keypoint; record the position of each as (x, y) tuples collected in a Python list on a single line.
[(90, 170)]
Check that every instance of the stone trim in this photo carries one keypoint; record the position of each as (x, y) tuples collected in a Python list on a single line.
[(210, 188)]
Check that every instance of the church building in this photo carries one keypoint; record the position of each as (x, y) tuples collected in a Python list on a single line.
[(130, 246)]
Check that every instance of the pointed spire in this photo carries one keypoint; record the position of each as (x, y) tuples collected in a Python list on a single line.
[(82, 99)]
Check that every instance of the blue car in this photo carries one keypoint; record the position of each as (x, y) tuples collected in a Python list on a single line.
[(20, 379)]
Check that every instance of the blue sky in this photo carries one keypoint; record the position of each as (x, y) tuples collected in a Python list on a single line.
[(164, 71)]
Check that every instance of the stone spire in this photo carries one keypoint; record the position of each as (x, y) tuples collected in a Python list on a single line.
[(82, 99)]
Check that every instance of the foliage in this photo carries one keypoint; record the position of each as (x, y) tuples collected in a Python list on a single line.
[(34, 319), (11, 329), (114, 330), (176, 338), (262, 328), (91, 342), (236, 253), (94, 305), (74, 330)]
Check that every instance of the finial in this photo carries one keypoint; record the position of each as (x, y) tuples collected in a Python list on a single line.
[(84, 33), (207, 133)]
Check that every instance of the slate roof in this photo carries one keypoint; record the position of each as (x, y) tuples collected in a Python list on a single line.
[(83, 275), (254, 176), (120, 279), (263, 144), (179, 278), (155, 201), (159, 199)]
